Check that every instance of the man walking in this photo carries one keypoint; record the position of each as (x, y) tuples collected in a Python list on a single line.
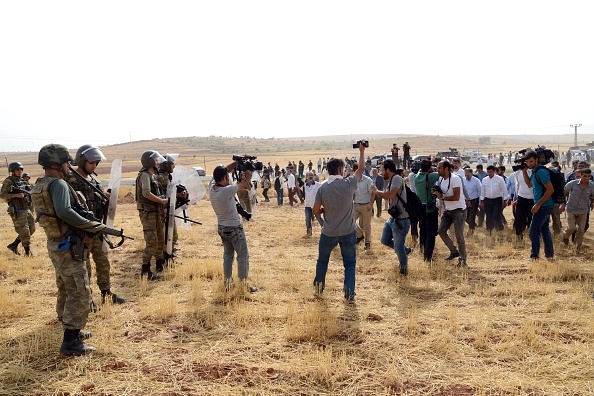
[(523, 203), (378, 182), (493, 199), (424, 182), (334, 200), (363, 204), (542, 189), (580, 201), (450, 193), (473, 187), (310, 189)]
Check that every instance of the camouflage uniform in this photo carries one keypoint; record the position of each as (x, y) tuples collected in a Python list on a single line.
[(93, 201), (164, 181), (74, 291), (19, 209), (151, 218)]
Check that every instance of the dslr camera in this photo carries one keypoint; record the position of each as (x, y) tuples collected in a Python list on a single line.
[(436, 188), (544, 154), (364, 143), (394, 211), (247, 163)]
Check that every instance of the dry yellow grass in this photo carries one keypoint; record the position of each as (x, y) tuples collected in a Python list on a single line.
[(504, 326)]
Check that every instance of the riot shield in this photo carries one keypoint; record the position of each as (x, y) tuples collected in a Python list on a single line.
[(170, 220), (190, 179), (113, 187)]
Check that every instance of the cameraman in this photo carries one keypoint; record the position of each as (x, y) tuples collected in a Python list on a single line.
[(230, 229), (542, 189), (334, 200)]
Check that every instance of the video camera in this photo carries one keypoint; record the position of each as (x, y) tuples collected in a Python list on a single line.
[(247, 163), (364, 143), (544, 154)]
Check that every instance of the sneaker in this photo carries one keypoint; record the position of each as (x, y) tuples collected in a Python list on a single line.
[(453, 255), (409, 250), (252, 289)]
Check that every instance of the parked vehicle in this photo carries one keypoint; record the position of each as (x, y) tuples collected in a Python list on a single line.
[(377, 159), (200, 170), (421, 157)]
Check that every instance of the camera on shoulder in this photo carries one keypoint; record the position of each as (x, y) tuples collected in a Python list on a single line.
[(247, 163)]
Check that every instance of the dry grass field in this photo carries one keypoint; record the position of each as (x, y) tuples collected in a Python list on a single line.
[(504, 326)]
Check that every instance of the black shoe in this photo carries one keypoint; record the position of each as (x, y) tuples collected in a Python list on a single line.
[(75, 348), (453, 256), (146, 272), (114, 297), (13, 248), (367, 246), (359, 239), (462, 263), (566, 241), (409, 250), (84, 335), (160, 265), (252, 289), (28, 252)]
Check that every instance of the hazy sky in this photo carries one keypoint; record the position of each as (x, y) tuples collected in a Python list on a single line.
[(102, 72)]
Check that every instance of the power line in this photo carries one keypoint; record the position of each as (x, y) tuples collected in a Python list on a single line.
[(576, 126)]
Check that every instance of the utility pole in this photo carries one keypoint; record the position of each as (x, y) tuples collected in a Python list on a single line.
[(575, 126)]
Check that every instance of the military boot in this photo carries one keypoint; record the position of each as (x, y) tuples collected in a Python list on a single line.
[(114, 297), (73, 345), (160, 264), (28, 251), (146, 272), (14, 246)]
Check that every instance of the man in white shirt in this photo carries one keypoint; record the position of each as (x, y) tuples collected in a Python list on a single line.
[(493, 199), (453, 199), (473, 187), (291, 186), (362, 209), (310, 188), (524, 201)]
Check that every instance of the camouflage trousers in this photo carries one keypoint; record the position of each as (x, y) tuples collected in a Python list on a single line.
[(154, 236), (102, 266), (24, 224), (74, 292)]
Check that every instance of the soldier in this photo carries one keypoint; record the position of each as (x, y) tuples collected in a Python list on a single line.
[(82, 179), (14, 191), (68, 237), (164, 177), (149, 202)]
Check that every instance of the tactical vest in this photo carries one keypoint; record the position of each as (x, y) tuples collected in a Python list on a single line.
[(143, 203), (91, 196), (54, 227), (18, 203)]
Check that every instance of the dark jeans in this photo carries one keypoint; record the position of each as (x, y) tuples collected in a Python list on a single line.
[(348, 251), (309, 215), (428, 230), (448, 218), (471, 212), (493, 208), (279, 196), (540, 227), (522, 215), (378, 205), (265, 194)]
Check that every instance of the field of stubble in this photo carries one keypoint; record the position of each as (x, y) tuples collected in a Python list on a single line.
[(505, 326)]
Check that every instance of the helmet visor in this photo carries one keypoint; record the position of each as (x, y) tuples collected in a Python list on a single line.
[(158, 158), (93, 154)]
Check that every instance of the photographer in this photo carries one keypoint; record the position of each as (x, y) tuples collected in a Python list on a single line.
[(449, 190), (542, 189), (230, 229), (334, 200), (398, 225)]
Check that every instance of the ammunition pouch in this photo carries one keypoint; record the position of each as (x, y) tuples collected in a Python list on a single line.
[(12, 212), (76, 245)]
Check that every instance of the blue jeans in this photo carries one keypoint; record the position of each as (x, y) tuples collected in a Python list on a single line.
[(234, 240), (348, 251), (394, 235), (279, 196), (540, 226), (309, 215)]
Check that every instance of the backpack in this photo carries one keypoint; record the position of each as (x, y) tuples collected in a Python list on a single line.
[(558, 182), (413, 205)]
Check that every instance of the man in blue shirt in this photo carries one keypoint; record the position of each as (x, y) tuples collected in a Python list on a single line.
[(540, 182)]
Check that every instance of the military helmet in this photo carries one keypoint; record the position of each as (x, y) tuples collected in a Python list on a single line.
[(169, 160), (89, 153), (14, 166), (53, 154), (26, 175), (151, 159)]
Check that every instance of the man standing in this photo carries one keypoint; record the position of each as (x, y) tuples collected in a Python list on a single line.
[(473, 187), (362, 209), (524, 201), (334, 199), (278, 187), (378, 182), (395, 158), (150, 200), (480, 174), (67, 243), (310, 189), (424, 181), (398, 225), (87, 159), (406, 155), (450, 192), (230, 229), (291, 186), (542, 188), (493, 199), (19, 208), (580, 192)]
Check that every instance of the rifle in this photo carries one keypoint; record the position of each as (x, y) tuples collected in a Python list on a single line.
[(103, 199), (105, 231), (27, 194)]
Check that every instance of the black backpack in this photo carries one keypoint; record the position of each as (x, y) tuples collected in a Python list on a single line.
[(413, 205), (277, 183), (558, 182)]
